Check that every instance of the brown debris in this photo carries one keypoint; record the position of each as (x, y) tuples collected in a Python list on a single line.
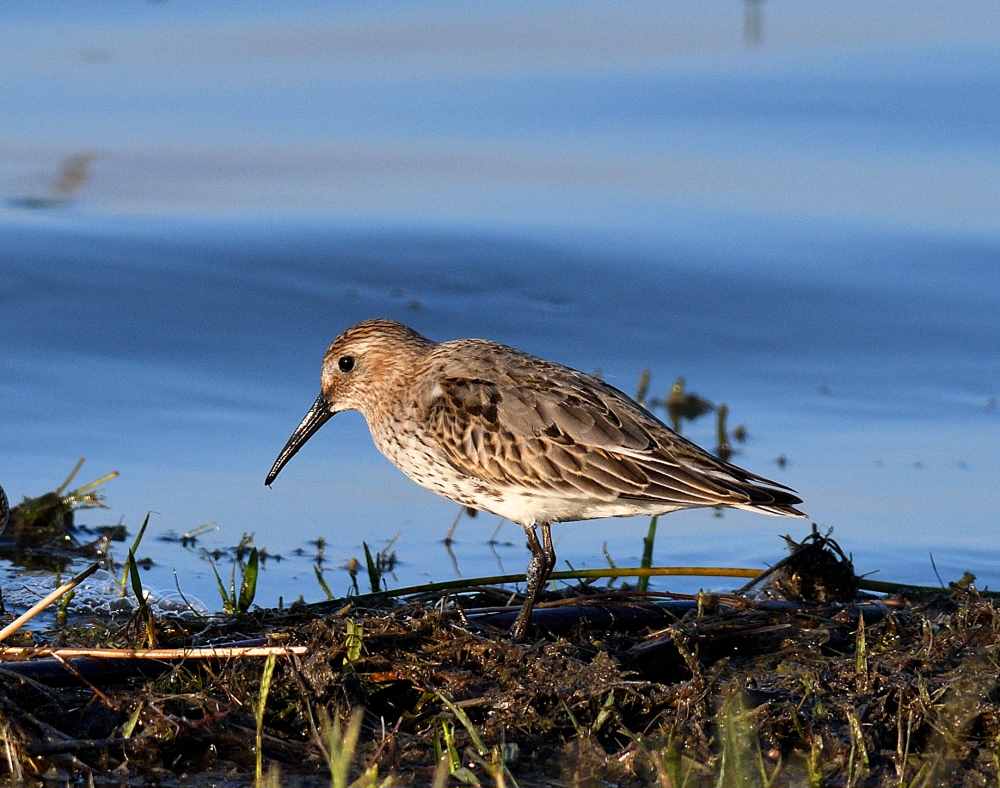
[(796, 682)]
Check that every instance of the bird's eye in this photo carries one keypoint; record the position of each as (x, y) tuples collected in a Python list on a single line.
[(346, 363)]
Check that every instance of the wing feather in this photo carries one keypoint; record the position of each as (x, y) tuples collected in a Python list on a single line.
[(549, 429)]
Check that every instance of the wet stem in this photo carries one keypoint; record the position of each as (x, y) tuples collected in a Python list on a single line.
[(857, 763), (648, 540), (339, 746), (265, 688), (996, 757), (861, 655), (145, 614)]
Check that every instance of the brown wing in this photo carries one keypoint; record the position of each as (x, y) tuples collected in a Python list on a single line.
[(554, 430)]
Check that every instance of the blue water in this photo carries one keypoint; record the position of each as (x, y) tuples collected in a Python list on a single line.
[(805, 227)]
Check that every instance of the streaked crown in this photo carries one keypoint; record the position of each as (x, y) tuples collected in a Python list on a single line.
[(365, 360)]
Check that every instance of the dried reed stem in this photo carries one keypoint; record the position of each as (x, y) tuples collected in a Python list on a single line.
[(48, 600), (208, 652)]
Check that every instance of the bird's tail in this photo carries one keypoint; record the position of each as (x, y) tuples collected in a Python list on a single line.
[(766, 496), (775, 509), (778, 501)]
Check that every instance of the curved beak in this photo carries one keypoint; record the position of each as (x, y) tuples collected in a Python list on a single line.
[(318, 415)]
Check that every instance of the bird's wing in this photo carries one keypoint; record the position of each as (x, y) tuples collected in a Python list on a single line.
[(560, 432)]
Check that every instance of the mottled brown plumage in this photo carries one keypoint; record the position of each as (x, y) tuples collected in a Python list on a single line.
[(533, 441)]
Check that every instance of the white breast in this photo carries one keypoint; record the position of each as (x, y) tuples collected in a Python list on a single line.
[(424, 464)]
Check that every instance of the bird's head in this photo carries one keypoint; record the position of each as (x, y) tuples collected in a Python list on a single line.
[(358, 368)]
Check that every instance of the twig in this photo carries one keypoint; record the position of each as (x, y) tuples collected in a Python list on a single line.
[(886, 587), (82, 490), (317, 739), (74, 745), (69, 479), (177, 585), (35, 685), (108, 703), (39, 606), (206, 652), (50, 731)]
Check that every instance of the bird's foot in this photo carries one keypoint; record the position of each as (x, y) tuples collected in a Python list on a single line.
[(519, 629)]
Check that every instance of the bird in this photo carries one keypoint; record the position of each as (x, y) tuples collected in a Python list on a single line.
[(496, 429)]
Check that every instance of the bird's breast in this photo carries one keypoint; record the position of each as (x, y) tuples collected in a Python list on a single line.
[(416, 455)]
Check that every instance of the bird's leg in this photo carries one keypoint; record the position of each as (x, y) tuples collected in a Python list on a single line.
[(550, 552), (538, 571)]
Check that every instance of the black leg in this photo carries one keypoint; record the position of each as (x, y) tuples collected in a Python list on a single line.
[(539, 567), (550, 552)]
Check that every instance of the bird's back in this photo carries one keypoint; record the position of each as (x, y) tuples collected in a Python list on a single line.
[(533, 441)]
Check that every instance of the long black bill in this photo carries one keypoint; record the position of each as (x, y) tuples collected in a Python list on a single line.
[(318, 415)]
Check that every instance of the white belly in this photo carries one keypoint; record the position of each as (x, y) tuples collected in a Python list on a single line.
[(528, 508)]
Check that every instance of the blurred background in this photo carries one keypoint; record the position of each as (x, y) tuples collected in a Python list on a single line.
[(793, 206)]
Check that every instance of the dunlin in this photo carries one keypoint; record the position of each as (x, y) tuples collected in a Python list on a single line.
[(533, 441)]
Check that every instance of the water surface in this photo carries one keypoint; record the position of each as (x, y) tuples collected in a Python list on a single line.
[(804, 227)]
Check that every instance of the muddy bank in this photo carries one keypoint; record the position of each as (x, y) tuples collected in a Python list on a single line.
[(799, 678)]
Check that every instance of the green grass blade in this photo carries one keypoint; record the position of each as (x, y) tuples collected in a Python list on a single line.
[(374, 576), (232, 584), (448, 735), (248, 588), (738, 745), (322, 582), (265, 688), (142, 532), (340, 747), (133, 571), (463, 718), (355, 639), (133, 719), (647, 554), (62, 612), (134, 549), (144, 611), (228, 605)]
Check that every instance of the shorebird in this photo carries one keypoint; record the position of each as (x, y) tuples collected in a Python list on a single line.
[(533, 441)]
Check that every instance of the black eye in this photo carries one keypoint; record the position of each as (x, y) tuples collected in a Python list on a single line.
[(346, 363)]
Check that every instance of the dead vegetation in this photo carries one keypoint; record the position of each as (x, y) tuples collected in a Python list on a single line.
[(800, 678)]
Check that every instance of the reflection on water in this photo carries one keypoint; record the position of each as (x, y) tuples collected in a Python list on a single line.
[(73, 174), (753, 22), (803, 229)]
